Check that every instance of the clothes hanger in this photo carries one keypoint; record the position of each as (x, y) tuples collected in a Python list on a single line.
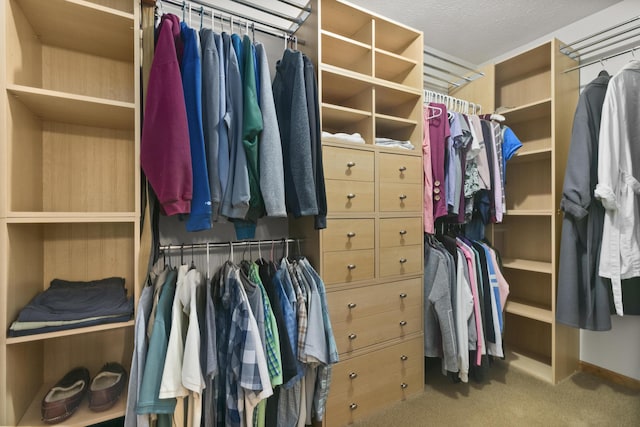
[(193, 264), (201, 16), (182, 254), (208, 264)]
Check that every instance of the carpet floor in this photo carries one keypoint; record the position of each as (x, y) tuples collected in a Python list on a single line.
[(510, 397)]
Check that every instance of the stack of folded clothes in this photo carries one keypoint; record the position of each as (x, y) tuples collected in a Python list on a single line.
[(389, 142), (343, 137), (68, 305)]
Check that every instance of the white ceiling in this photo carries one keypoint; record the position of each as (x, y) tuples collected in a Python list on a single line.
[(477, 31)]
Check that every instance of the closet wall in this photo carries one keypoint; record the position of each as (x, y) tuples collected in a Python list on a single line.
[(603, 349)]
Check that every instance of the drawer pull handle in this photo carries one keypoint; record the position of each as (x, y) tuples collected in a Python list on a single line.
[(352, 337), (353, 375), (403, 295), (351, 196), (403, 323), (351, 164), (402, 260), (353, 406), (403, 196), (403, 232), (351, 234), (351, 305), (404, 385), (402, 168), (404, 357), (351, 266)]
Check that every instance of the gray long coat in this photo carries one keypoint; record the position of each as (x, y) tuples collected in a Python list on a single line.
[(583, 296)]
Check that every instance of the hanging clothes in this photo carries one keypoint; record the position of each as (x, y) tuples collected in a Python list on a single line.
[(618, 185), (165, 155), (583, 296)]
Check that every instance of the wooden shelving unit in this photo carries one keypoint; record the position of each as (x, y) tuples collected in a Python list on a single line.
[(538, 101), (69, 192), (371, 254)]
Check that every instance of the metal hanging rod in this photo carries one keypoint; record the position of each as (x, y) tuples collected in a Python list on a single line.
[(256, 25), (621, 24), (205, 245), (601, 60), (455, 76)]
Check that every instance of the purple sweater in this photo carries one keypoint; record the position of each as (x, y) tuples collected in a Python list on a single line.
[(165, 154)]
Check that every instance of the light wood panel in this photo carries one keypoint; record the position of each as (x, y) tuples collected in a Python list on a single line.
[(400, 197), (400, 232), (529, 286), (529, 311), (397, 68), (347, 164), (364, 302), (82, 26), (80, 73), (401, 260), (76, 109), (345, 53), (529, 337), (346, 234), (525, 193), (346, 20), (348, 266), (528, 265), (87, 169), (349, 196), (399, 168)]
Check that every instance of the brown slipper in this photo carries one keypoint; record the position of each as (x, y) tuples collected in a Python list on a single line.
[(62, 400), (106, 387)]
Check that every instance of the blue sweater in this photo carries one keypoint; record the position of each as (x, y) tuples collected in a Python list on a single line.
[(200, 218)]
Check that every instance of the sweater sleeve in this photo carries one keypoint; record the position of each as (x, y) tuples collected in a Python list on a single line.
[(165, 155)]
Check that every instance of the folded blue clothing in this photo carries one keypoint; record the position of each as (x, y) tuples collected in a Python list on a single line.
[(65, 300)]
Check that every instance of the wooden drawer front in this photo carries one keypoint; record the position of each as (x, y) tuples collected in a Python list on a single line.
[(353, 304), (347, 164), (348, 266), (400, 232), (368, 330), (348, 235), (363, 385), (349, 196), (396, 197), (400, 168), (399, 260)]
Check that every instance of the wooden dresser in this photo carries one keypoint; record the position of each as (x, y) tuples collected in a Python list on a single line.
[(371, 253)]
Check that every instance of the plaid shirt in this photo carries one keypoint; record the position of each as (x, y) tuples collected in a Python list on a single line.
[(272, 340), (301, 309)]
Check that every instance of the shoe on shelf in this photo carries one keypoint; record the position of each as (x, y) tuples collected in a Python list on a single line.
[(62, 400), (106, 387)]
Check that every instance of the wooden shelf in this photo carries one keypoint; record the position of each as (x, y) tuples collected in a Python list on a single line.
[(69, 217), (529, 311), (346, 53), (528, 112), (529, 212), (535, 365), (536, 59), (82, 26), (69, 332), (75, 109), (527, 265), (531, 155), (82, 417), (338, 115), (394, 67)]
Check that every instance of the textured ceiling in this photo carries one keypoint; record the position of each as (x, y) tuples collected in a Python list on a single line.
[(477, 31)]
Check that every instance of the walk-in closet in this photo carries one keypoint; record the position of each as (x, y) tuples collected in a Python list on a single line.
[(319, 213)]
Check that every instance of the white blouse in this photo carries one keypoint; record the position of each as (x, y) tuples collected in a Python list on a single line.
[(618, 179)]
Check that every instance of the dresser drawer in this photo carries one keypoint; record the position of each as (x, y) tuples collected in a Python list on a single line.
[(349, 196), (363, 302), (400, 232), (363, 385), (348, 266), (347, 164), (399, 260), (348, 234), (401, 168), (400, 197), (365, 331)]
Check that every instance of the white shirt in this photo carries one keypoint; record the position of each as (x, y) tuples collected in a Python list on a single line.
[(618, 179)]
